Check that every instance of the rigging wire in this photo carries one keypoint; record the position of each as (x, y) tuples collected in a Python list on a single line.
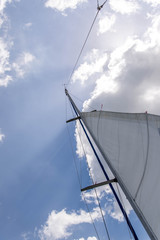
[(104, 222), (82, 101), (83, 47), (80, 186), (97, 3), (120, 195), (99, 7), (80, 175), (73, 155)]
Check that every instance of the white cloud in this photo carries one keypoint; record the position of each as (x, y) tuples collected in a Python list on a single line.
[(89, 238), (27, 58), (26, 236), (105, 84), (95, 169), (62, 5), (94, 63), (133, 69), (58, 224), (3, 4), (154, 3), (4, 80), (5, 46), (106, 23), (152, 36), (28, 25), (124, 6), (4, 64), (152, 94), (4, 57), (91, 196), (23, 63), (113, 209), (2, 136)]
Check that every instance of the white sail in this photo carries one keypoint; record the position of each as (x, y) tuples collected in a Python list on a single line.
[(130, 143)]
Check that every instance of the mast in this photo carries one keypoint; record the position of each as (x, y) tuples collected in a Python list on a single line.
[(78, 113)]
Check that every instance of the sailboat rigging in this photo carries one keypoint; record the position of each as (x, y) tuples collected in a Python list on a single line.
[(129, 144), (134, 161)]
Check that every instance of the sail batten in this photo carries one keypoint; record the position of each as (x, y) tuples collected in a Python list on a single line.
[(130, 144)]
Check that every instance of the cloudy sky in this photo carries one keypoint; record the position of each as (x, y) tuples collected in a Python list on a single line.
[(118, 70)]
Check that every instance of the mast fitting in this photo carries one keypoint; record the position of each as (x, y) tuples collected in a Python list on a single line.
[(73, 119), (99, 184)]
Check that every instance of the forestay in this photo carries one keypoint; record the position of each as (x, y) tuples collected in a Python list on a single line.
[(130, 143)]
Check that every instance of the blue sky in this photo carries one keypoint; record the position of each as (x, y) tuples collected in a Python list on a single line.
[(119, 68)]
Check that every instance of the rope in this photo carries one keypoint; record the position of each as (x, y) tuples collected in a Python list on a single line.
[(99, 7)]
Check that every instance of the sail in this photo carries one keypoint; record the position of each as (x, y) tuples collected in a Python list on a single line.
[(130, 143)]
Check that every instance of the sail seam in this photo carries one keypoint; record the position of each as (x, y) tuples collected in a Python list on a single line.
[(147, 153), (98, 125)]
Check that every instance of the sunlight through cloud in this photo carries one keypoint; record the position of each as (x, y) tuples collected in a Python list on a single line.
[(23, 63), (106, 23), (124, 7)]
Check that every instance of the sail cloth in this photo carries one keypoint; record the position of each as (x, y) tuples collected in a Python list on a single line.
[(130, 143)]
